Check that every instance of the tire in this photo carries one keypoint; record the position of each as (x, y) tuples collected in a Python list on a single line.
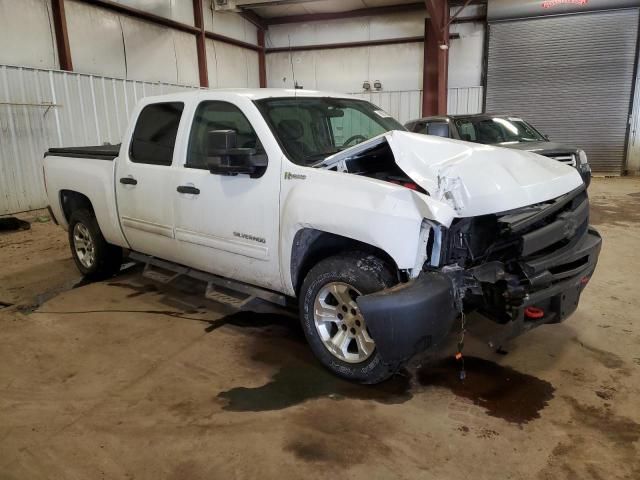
[(334, 282), (94, 257)]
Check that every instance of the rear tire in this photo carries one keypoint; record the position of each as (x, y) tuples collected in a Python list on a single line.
[(331, 320), (94, 257)]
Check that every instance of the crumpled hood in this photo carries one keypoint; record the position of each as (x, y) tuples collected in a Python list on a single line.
[(474, 179), (479, 179)]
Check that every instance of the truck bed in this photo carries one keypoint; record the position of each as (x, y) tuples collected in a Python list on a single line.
[(98, 152)]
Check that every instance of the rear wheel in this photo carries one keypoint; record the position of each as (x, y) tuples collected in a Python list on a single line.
[(332, 322), (93, 256)]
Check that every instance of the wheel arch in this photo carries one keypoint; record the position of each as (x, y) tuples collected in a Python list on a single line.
[(311, 246), (70, 201)]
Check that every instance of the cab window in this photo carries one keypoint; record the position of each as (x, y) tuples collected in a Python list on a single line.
[(217, 115)]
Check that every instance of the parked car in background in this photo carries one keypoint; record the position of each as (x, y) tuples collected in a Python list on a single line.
[(504, 131)]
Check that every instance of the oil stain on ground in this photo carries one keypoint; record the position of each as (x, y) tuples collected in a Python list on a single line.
[(296, 383), (299, 377), (502, 391)]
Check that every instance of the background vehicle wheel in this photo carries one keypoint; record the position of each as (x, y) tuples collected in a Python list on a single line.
[(94, 257), (332, 323)]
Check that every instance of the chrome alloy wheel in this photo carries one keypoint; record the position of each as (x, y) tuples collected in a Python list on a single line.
[(340, 324), (83, 245)]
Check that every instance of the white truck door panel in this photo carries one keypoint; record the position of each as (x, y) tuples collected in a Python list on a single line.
[(227, 224), (143, 181)]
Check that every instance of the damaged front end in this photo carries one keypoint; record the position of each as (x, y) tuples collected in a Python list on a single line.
[(525, 267), (520, 269)]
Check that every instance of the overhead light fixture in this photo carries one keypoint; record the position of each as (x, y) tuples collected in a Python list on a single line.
[(377, 85), (366, 85)]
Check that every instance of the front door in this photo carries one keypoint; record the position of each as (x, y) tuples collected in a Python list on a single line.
[(143, 181), (227, 224)]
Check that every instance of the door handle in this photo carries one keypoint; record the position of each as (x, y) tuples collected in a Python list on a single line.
[(188, 189), (128, 181)]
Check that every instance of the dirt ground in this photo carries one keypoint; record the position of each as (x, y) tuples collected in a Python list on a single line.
[(127, 379)]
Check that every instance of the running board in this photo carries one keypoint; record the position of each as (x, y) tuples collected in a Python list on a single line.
[(164, 272)]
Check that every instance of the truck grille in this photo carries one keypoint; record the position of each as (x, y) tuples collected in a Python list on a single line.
[(529, 240), (510, 256), (569, 159)]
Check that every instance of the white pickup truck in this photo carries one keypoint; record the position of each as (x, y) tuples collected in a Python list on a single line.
[(384, 237)]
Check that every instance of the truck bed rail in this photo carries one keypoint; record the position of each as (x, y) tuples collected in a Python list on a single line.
[(98, 152)]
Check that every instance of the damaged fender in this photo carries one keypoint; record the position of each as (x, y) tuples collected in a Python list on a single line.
[(411, 317), (377, 213)]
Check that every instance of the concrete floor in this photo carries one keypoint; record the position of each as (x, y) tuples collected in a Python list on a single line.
[(123, 379)]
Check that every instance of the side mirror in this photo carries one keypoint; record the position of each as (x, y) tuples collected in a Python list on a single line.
[(224, 157), (546, 137)]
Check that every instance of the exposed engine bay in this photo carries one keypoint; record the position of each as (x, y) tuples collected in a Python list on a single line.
[(377, 162)]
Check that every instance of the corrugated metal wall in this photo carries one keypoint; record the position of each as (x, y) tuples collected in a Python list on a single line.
[(407, 105), (47, 108), (104, 42), (571, 76)]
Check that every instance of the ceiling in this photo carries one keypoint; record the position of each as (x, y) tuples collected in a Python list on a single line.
[(284, 8)]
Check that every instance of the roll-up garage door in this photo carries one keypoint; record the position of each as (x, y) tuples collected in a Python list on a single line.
[(571, 76)]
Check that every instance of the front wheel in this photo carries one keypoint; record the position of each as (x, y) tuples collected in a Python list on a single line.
[(94, 257), (332, 322)]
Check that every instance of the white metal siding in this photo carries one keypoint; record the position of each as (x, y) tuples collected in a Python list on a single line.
[(26, 33), (571, 76), (407, 105), (48, 108), (228, 23), (398, 67)]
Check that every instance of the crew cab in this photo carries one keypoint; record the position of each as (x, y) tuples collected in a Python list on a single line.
[(383, 238), (506, 131)]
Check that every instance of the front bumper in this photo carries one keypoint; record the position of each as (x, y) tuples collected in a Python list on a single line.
[(553, 302), (411, 317), (419, 315)]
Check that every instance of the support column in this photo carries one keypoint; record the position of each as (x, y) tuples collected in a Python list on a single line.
[(262, 61), (62, 37), (436, 58), (201, 47)]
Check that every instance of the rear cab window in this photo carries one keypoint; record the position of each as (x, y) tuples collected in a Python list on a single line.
[(154, 136)]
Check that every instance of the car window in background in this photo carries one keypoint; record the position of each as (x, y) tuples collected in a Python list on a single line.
[(311, 129), (440, 129), (497, 130)]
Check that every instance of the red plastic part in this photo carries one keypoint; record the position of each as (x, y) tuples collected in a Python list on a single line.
[(533, 312)]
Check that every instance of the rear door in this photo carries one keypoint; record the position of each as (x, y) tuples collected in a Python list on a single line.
[(143, 181)]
